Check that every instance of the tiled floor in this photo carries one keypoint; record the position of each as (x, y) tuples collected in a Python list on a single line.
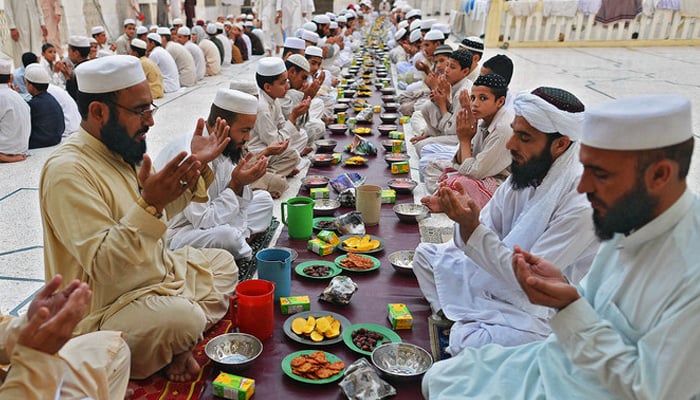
[(594, 75)]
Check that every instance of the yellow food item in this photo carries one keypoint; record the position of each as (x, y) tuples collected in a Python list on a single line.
[(322, 325), (357, 160), (362, 131), (316, 337), (364, 243), (310, 324), (334, 330), (298, 325), (317, 329)]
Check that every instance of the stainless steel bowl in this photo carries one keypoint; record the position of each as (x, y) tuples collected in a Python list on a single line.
[(326, 206), (315, 181), (233, 352), (398, 157), (401, 185), (338, 128), (402, 261), (384, 129), (321, 160), (325, 145), (391, 107), (401, 362), (389, 118), (410, 212)]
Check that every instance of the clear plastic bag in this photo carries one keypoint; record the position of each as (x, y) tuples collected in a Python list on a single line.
[(361, 382), (339, 290)]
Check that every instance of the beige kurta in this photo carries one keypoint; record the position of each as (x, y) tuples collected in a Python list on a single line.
[(153, 76), (212, 57), (95, 231), (26, 16)]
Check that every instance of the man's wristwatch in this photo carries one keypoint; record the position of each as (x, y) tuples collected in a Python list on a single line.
[(149, 208)]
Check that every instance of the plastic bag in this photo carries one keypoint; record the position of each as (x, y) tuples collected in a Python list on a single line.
[(361, 146), (347, 180), (351, 223), (361, 382), (339, 290)]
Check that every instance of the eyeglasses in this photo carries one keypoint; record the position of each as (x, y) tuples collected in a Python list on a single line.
[(143, 114)]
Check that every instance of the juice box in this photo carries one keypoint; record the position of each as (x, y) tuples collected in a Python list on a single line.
[(294, 304), (399, 316), (341, 117), (396, 135), (397, 146), (399, 167), (320, 247), (404, 120), (329, 237), (337, 158), (233, 387), (388, 196), (320, 193)]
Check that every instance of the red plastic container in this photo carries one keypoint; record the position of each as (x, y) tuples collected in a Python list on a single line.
[(253, 308)]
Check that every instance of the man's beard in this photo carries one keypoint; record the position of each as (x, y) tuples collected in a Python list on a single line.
[(532, 172), (233, 151), (633, 210), (117, 139)]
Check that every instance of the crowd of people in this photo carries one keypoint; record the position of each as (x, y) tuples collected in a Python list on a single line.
[(569, 273)]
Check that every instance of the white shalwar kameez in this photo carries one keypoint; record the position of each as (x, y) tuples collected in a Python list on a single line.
[(311, 128), (168, 68), (473, 283), (15, 122), (632, 335), (291, 15), (27, 17)]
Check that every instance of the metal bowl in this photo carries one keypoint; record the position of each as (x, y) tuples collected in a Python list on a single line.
[(401, 362), (326, 206), (388, 144), (389, 118), (315, 181), (321, 160), (233, 352), (388, 98), (343, 100), (391, 107), (402, 261), (338, 128), (325, 145), (401, 185), (411, 213), (349, 94), (397, 157), (387, 90), (380, 74), (340, 107), (386, 128)]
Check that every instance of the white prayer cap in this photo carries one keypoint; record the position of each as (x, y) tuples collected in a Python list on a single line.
[(294, 43), (333, 25), (243, 16), (230, 16), (248, 23), (35, 73), (551, 110), (249, 17), (140, 30), (426, 24), (271, 66), (415, 25), (638, 123), (415, 36), (434, 34), (310, 36), (300, 61), (219, 26), (444, 28), (139, 44), (163, 31), (5, 67), (104, 53), (211, 28), (416, 12), (155, 37), (78, 41), (235, 101), (92, 40), (366, 3), (330, 15), (313, 51), (402, 25), (239, 25), (184, 31), (177, 21), (109, 74), (97, 30), (129, 21), (341, 19), (406, 8), (400, 34), (350, 14), (321, 19), (309, 26), (228, 23), (153, 28), (245, 86)]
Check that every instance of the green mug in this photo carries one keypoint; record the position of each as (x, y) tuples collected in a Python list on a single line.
[(298, 215)]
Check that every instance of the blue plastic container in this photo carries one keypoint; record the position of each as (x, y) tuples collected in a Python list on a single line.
[(275, 265)]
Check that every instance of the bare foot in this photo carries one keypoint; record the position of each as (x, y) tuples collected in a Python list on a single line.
[(432, 203), (275, 195), (129, 394), (293, 173), (307, 150), (183, 368)]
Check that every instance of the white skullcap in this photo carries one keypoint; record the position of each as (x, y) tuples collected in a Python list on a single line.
[(403, 24), (163, 31), (92, 40), (235, 101), (415, 25), (140, 30), (228, 23), (341, 19), (330, 15), (245, 86), (35, 73), (177, 21), (104, 53), (350, 14), (78, 41), (400, 34), (294, 43), (333, 25), (271, 66), (434, 34), (239, 25), (211, 28), (139, 44), (638, 123), (321, 19), (230, 16), (427, 24), (219, 26), (109, 74), (153, 28), (97, 29), (5, 67), (249, 17), (313, 51), (184, 31), (367, 3), (300, 61), (406, 8), (473, 43), (310, 36), (309, 26), (416, 12), (546, 117), (155, 37), (129, 21), (444, 28), (248, 23), (243, 16), (415, 36)]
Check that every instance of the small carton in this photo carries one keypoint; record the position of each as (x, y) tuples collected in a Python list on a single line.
[(404, 120), (294, 304), (329, 237), (396, 135), (320, 193), (399, 316), (337, 158), (233, 387), (397, 146), (399, 167), (388, 196), (320, 247)]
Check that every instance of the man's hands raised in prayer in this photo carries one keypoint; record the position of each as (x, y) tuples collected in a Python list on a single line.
[(459, 207), (247, 171), (207, 148), (542, 281)]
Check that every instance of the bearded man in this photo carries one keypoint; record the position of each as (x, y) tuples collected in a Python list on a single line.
[(469, 279)]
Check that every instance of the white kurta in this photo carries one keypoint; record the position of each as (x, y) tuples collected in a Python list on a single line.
[(15, 122), (71, 114), (632, 334), (270, 125), (168, 68), (267, 10), (200, 63), (473, 283), (26, 16), (184, 61), (291, 15), (226, 220), (228, 52)]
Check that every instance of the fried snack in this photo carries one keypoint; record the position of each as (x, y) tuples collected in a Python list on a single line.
[(356, 261), (315, 366)]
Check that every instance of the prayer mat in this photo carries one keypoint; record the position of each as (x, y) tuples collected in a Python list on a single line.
[(439, 331), (157, 387), (246, 269)]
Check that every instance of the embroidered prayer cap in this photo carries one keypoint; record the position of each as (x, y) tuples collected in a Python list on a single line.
[(300, 61), (129, 21), (109, 74), (35, 73), (310, 36), (155, 37), (402, 25), (473, 43), (163, 31), (140, 30), (271, 66), (313, 51), (321, 19), (309, 26), (551, 110), (415, 25), (426, 24), (5, 67), (184, 31), (415, 36), (245, 86), (443, 49), (416, 12), (399, 34), (78, 41), (139, 44), (638, 123), (236, 101), (434, 35), (211, 28), (178, 21), (493, 81), (97, 30), (294, 43)]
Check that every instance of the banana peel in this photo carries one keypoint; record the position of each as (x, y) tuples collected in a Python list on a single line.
[(364, 243)]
